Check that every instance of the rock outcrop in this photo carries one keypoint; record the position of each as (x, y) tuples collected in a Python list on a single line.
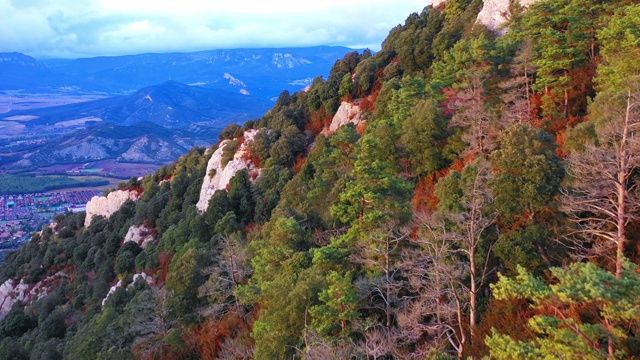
[(105, 206), (347, 113), (12, 292), (223, 174), (120, 283), (141, 235), (495, 14)]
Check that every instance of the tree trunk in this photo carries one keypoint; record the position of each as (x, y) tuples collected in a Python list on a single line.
[(566, 98), (623, 174), (472, 294), (463, 337)]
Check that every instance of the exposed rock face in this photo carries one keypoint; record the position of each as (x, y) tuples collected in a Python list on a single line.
[(495, 13), (85, 150), (11, 292), (105, 206), (222, 175), (288, 61), (347, 113), (141, 235), (145, 150), (120, 283)]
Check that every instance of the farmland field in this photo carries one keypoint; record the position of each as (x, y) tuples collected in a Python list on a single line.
[(11, 100)]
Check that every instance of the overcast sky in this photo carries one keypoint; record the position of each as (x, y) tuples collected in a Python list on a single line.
[(84, 28)]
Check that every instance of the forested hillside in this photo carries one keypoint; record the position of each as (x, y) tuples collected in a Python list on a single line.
[(484, 204)]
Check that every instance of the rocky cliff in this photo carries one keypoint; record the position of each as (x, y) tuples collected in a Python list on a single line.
[(107, 205), (12, 291), (148, 279), (218, 176), (347, 113), (141, 235), (495, 14)]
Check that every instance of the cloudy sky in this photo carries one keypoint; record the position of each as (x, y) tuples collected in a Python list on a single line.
[(83, 28)]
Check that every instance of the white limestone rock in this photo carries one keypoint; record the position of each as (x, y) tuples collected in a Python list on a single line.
[(111, 291), (141, 235), (120, 283), (105, 206), (148, 279), (223, 175), (347, 113), (10, 293), (495, 13)]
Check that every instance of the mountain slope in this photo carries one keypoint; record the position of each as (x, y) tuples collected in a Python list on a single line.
[(410, 206), (170, 104), (19, 71)]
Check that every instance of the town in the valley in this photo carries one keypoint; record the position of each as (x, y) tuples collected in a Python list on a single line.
[(23, 214)]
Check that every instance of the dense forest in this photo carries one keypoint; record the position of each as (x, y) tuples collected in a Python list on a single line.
[(486, 208)]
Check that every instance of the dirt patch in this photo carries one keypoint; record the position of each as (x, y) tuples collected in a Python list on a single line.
[(10, 128), (16, 101), (76, 122), (21, 118)]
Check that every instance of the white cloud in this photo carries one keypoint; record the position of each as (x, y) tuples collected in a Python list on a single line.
[(71, 28)]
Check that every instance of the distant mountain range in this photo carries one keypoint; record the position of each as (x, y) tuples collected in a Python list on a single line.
[(143, 143), (258, 72), (159, 105)]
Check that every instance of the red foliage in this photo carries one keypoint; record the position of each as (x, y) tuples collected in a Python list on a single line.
[(207, 339), (447, 105), (506, 316), (136, 189), (424, 199), (377, 85), (366, 104), (300, 160), (319, 120), (253, 175), (581, 87), (148, 222), (165, 259), (559, 139), (459, 164), (69, 269), (361, 127), (254, 159), (250, 227)]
